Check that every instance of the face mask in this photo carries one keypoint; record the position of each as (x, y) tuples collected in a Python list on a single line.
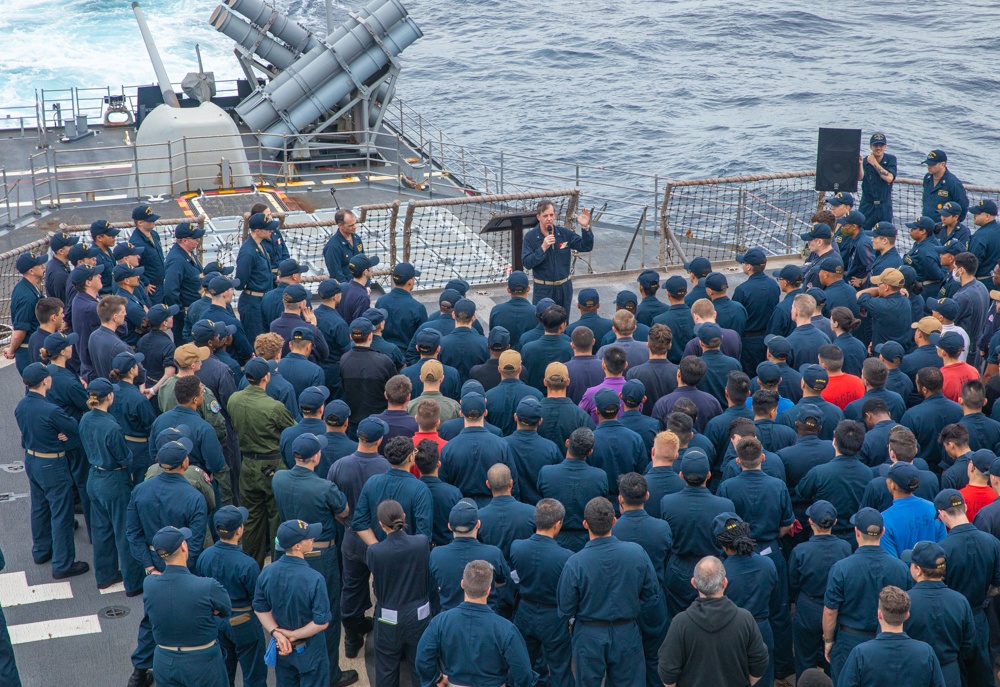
[(954, 275)]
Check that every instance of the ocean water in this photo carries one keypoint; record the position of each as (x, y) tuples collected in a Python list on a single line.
[(682, 88)]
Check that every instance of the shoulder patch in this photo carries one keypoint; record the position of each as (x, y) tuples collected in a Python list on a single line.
[(214, 407), (840, 239), (908, 259)]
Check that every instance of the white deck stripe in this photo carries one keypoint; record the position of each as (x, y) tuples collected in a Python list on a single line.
[(14, 590), (114, 589), (53, 629)]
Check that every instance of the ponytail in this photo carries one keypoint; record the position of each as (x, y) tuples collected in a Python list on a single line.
[(737, 538)]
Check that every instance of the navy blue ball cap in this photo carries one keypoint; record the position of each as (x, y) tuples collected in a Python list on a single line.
[(589, 298), (458, 284), (216, 267), (754, 256), (891, 351), (34, 374), (905, 475), (428, 339), (159, 313), (362, 326), (313, 397), (256, 369), (27, 261), (626, 298), (56, 342), (463, 516), (768, 373), (473, 403), (259, 222), (818, 294), (708, 331), (886, 229), (295, 293), (833, 265), (517, 282), (338, 411), (292, 532), (498, 340), (173, 453), (934, 157), (922, 222), (144, 213), (122, 272), (995, 467), (607, 400), (125, 249), (676, 286), (855, 217), (372, 429), (723, 522), (952, 247), (529, 410), (699, 267), (103, 227), (925, 554), (809, 415), (404, 271), (167, 540), (948, 308), (81, 273), (790, 273), (126, 360), (302, 334), (695, 464), (950, 208), (101, 387), (361, 262), (948, 498), (648, 277), (817, 231), (877, 139), (841, 199), (203, 330), (984, 206), (169, 434), (451, 296), (951, 343), (543, 305), (716, 281), (328, 288), (229, 518), (465, 307), (823, 513), (633, 392), (777, 345), (982, 460), (308, 445), (287, 268), (375, 315), (61, 240), (473, 386), (909, 275), (868, 521), (815, 376), (184, 230)]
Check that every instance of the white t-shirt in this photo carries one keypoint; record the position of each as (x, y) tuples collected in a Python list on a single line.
[(945, 328)]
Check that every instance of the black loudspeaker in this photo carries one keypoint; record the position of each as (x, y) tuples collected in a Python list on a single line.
[(837, 160)]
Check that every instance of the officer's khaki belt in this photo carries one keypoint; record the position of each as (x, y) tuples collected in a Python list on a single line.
[(107, 469), (259, 294), (39, 454), (187, 648), (552, 283), (242, 616), (23, 346), (930, 281), (138, 440), (321, 544)]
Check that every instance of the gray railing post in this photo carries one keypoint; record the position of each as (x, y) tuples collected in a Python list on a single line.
[(741, 199)]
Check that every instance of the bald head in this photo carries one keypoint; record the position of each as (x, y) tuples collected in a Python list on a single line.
[(499, 480), (709, 577)]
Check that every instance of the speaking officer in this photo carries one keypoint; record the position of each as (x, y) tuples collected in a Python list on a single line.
[(939, 616), (759, 295), (253, 272), (547, 250), (470, 644), (46, 430), (973, 568), (241, 637), (808, 571), (941, 186), (109, 486), (301, 494), (154, 504), (23, 299), (258, 420), (606, 634), (852, 591), (878, 171), (292, 605), (182, 610), (536, 565), (401, 579)]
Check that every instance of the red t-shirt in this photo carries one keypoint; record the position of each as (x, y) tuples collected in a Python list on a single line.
[(420, 436), (975, 498), (842, 389), (955, 375)]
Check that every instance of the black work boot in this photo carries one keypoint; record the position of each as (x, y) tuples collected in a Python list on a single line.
[(354, 637), (141, 677)]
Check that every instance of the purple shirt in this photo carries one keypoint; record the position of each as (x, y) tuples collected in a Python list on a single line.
[(615, 383)]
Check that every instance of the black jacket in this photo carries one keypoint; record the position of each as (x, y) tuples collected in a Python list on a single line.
[(712, 643)]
